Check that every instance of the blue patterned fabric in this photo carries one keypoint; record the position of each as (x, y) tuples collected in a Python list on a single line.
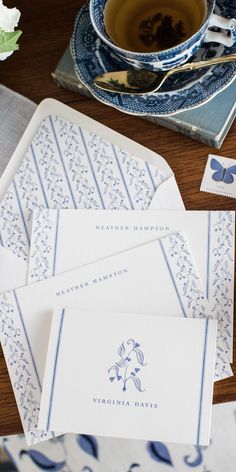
[(84, 453)]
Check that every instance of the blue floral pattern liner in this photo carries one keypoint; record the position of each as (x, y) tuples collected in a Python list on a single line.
[(181, 92), (67, 166)]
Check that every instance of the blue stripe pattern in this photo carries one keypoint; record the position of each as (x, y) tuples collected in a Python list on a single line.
[(62, 161), (27, 339), (91, 167), (172, 277), (202, 383), (150, 175), (55, 370), (208, 254), (39, 176), (122, 176), (56, 243), (21, 212)]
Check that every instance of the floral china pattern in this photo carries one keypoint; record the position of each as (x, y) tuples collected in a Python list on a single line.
[(161, 60), (67, 166), (92, 57)]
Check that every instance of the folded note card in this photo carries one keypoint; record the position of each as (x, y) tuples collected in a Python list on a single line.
[(130, 376), (66, 239), (158, 278)]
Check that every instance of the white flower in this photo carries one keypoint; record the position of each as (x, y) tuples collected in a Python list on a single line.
[(9, 19)]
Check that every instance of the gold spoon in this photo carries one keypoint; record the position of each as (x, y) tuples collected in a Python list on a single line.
[(141, 81)]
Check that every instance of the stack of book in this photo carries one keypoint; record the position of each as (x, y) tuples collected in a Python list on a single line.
[(208, 123)]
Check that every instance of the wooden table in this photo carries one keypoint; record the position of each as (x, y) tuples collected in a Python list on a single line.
[(47, 29)]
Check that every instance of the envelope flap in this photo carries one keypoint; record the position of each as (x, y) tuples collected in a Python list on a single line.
[(53, 107)]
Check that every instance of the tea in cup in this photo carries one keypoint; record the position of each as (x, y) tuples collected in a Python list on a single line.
[(158, 34), (152, 25)]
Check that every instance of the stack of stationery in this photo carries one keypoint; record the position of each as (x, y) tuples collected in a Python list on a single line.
[(113, 322)]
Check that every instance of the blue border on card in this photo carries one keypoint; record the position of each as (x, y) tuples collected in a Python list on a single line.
[(55, 369), (56, 244), (172, 277), (91, 167), (27, 338), (202, 383), (122, 176), (208, 254)]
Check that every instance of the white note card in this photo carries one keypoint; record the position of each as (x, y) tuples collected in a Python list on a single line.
[(158, 278), (67, 239), (130, 376)]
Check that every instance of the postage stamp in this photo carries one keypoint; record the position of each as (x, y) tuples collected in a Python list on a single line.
[(220, 176)]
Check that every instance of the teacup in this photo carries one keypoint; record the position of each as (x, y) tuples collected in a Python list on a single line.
[(164, 58)]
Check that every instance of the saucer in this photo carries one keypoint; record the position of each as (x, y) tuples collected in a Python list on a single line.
[(181, 92)]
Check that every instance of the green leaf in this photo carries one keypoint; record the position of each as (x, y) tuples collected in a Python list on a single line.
[(8, 41)]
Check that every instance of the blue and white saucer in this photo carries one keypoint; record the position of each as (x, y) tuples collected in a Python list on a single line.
[(181, 92)]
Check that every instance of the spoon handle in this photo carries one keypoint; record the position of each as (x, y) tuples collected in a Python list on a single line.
[(198, 65)]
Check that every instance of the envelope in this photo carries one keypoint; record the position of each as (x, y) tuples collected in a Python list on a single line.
[(130, 376), (13, 271), (67, 239), (157, 278), (67, 160)]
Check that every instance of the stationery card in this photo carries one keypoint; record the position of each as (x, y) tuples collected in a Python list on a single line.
[(66, 239), (70, 166), (220, 176), (158, 278), (129, 376)]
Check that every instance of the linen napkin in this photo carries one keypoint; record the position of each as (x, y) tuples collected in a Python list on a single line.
[(15, 114)]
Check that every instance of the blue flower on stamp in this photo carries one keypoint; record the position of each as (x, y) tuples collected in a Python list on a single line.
[(127, 369)]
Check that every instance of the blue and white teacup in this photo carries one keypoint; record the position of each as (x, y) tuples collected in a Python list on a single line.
[(167, 58)]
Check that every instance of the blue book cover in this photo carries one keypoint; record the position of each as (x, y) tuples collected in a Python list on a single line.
[(209, 123)]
